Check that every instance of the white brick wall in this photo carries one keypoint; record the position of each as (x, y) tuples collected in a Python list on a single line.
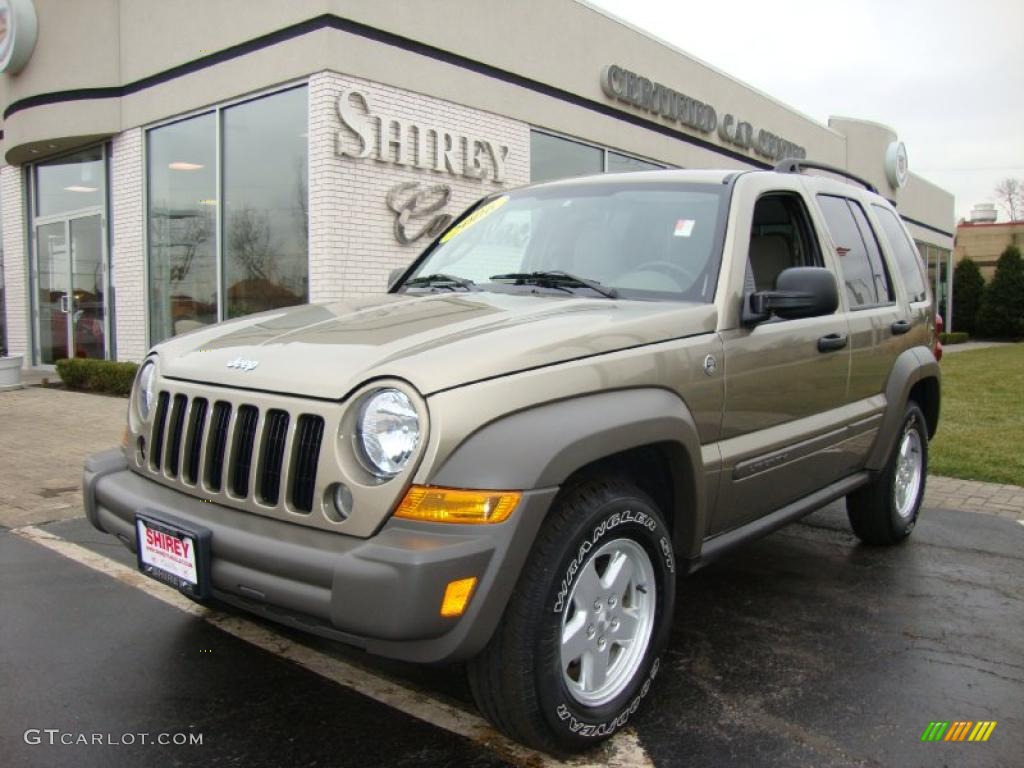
[(15, 261), (352, 246), (127, 256)]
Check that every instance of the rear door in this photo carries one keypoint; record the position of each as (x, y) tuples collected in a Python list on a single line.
[(877, 332)]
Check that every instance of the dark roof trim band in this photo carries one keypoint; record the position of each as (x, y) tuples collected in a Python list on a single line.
[(330, 21), (929, 227)]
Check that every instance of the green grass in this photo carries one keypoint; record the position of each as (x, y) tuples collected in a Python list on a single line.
[(981, 420)]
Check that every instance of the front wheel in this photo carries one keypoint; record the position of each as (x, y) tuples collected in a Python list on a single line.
[(885, 510), (580, 641)]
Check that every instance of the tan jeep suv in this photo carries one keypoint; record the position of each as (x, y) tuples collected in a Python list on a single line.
[(578, 392)]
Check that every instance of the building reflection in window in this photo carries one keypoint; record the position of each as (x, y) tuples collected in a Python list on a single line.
[(262, 199), (182, 226), (265, 217)]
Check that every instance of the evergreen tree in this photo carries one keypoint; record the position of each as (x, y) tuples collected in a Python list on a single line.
[(1002, 307), (968, 287)]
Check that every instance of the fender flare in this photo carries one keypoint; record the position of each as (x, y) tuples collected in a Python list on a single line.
[(912, 366), (542, 447)]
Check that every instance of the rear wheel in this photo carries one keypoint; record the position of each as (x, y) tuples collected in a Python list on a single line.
[(580, 640), (885, 510)]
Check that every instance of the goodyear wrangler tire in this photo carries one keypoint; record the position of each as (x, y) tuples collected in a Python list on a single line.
[(885, 510), (580, 642)]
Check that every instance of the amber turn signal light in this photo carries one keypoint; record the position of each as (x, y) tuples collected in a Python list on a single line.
[(456, 596), (450, 505)]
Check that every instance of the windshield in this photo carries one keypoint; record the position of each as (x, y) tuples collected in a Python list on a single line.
[(627, 240)]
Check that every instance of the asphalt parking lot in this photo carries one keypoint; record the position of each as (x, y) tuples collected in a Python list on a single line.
[(802, 649)]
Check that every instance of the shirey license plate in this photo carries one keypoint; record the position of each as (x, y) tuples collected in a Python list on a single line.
[(173, 554)]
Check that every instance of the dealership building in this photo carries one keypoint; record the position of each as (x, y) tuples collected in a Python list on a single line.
[(166, 165)]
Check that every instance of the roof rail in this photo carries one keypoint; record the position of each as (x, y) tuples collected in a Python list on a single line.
[(795, 165)]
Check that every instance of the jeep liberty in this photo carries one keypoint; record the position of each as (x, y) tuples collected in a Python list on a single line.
[(578, 392)]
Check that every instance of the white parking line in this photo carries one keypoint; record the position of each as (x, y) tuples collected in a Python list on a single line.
[(622, 751)]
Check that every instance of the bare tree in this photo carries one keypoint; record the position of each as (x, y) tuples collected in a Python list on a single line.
[(302, 197), (1010, 196), (251, 245)]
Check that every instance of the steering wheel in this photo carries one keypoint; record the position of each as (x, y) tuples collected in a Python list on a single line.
[(667, 267)]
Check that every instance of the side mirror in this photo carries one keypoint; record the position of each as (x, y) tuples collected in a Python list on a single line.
[(394, 275), (799, 292)]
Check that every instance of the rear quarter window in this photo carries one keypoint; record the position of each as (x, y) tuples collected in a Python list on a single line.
[(908, 262), (860, 262)]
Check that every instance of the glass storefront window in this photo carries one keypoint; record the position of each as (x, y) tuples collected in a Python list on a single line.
[(939, 276), (618, 163), (182, 196), (262, 199), (264, 192), (3, 305), (552, 157), (70, 183)]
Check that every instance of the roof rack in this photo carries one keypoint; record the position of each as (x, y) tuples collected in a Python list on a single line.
[(794, 165)]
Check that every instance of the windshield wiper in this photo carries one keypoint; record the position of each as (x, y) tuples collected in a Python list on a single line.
[(440, 280), (556, 278)]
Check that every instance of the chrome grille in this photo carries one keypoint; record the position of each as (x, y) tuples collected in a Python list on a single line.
[(266, 458)]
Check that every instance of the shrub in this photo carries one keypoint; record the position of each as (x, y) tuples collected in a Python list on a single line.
[(103, 376), (968, 288), (1001, 315), (956, 337)]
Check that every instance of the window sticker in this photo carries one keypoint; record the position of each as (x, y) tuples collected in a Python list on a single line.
[(684, 228), (474, 217)]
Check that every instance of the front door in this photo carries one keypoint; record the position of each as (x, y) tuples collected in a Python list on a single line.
[(68, 207), (71, 289), (785, 380)]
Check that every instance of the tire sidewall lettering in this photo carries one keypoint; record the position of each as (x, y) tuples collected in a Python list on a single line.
[(658, 543), (599, 730), (613, 521)]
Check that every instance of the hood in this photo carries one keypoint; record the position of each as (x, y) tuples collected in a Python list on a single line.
[(435, 342)]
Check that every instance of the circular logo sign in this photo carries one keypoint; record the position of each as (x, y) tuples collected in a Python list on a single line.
[(896, 167), (18, 26)]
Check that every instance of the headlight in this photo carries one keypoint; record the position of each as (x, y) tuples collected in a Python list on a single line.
[(145, 389), (388, 432)]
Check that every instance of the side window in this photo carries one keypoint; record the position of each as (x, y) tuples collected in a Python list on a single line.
[(907, 261), (780, 236), (883, 285), (861, 277)]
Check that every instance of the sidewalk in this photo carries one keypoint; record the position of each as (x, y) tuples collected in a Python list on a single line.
[(967, 346), (45, 435)]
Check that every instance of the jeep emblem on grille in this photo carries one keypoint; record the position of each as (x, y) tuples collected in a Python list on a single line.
[(242, 364)]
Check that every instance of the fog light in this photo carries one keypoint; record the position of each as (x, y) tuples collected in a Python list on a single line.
[(456, 596), (449, 505), (340, 504)]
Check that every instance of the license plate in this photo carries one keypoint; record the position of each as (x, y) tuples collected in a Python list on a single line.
[(173, 554)]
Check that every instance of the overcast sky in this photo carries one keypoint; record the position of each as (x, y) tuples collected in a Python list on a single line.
[(947, 76)]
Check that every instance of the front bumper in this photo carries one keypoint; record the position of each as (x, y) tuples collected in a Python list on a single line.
[(382, 594)]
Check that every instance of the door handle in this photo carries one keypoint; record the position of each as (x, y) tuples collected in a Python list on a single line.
[(65, 304), (900, 327), (832, 342)]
